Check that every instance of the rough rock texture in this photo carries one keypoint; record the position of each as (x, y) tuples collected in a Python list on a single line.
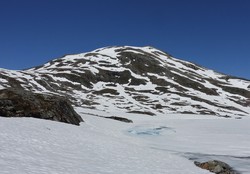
[(125, 120), (20, 103), (217, 167)]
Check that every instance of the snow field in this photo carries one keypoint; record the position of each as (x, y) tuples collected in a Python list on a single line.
[(33, 146), (157, 145)]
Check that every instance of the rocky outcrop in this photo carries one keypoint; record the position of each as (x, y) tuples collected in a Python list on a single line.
[(21, 103), (217, 167), (122, 119)]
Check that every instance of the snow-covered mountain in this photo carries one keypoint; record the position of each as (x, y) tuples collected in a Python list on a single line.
[(135, 80), (125, 82)]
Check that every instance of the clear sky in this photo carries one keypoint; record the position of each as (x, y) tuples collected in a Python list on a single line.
[(211, 33)]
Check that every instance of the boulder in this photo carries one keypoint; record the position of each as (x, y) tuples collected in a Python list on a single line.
[(21, 103), (216, 166)]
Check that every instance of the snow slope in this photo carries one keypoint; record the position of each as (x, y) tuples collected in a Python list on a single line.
[(156, 145)]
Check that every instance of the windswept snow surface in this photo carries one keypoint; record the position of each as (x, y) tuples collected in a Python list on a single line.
[(150, 145)]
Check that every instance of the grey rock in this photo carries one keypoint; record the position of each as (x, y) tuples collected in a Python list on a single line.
[(216, 166), (125, 120), (21, 103), (217, 169)]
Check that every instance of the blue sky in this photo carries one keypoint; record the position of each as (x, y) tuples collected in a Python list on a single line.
[(211, 33)]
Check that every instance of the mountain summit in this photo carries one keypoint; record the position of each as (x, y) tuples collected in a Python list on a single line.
[(135, 80)]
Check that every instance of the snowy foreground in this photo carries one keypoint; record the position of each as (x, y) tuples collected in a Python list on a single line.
[(150, 145)]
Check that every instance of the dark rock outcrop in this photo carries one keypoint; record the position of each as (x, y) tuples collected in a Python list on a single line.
[(21, 103), (217, 167), (120, 119)]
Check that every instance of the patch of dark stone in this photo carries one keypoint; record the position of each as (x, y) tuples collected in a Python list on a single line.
[(105, 91), (225, 116), (142, 112), (21, 103), (120, 119), (216, 166)]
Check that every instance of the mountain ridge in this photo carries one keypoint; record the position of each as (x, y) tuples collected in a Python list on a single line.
[(135, 80)]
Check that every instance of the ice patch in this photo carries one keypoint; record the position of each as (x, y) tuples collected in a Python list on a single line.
[(149, 131)]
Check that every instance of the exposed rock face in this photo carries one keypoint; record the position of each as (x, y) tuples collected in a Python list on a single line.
[(120, 119), (20, 103), (217, 167)]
